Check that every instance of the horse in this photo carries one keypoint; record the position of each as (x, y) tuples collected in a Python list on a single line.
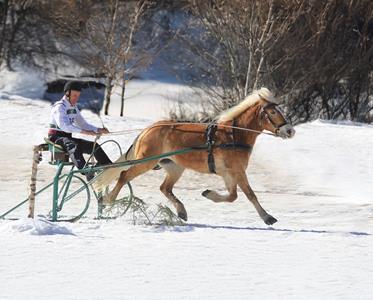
[(234, 136)]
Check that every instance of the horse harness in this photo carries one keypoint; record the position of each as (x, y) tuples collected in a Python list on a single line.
[(210, 145), (212, 128)]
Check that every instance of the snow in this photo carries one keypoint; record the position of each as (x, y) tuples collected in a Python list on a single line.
[(318, 185), (154, 98), (36, 226), (25, 83)]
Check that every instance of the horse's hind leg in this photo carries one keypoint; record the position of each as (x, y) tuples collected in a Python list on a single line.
[(231, 185), (127, 176), (174, 173)]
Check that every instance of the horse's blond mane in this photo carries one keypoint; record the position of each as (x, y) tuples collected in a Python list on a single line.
[(250, 100)]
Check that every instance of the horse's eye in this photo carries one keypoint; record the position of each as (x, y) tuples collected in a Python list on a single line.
[(273, 112)]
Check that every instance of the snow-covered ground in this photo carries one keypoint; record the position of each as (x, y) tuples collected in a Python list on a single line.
[(151, 100), (318, 185)]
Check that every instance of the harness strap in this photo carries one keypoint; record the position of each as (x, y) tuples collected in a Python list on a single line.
[(210, 145), (210, 134)]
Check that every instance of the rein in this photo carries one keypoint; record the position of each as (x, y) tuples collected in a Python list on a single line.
[(210, 142), (187, 123), (210, 135)]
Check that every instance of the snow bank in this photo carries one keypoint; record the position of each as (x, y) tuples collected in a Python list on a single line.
[(36, 226), (26, 83)]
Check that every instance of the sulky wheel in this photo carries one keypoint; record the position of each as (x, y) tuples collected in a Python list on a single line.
[(73, 194)]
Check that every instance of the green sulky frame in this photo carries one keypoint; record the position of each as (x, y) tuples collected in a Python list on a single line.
[(61, 182)]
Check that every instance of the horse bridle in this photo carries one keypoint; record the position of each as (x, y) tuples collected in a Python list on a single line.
[(263, 113)]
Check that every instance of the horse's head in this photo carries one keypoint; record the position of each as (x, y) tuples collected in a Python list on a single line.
[(262, 107), (271, 117)]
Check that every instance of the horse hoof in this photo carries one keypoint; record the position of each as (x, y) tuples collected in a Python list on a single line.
[(270, 220), (205, 193), (183, 216)]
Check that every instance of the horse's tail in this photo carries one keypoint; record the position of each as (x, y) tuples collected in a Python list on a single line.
[(130, 154), (111, 174)]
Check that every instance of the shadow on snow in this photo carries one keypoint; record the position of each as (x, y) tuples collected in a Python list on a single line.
[(357, 233)]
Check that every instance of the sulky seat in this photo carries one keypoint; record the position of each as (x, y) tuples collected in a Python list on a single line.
[(58, 154)]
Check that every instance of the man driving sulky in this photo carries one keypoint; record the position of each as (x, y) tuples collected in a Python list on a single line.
[(66, 119)]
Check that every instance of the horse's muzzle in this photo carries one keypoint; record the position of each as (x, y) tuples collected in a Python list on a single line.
[(286, 131)]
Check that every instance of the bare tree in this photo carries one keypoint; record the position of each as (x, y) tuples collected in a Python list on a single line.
[(23, 36), (238, 41), (101, 38), (308, 51), (4, 16)]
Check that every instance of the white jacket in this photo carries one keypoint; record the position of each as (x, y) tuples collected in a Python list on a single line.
[(66, 117)]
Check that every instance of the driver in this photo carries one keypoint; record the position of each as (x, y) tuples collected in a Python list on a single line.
[(65, 120)]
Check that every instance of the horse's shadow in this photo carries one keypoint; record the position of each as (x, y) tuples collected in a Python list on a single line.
[(250, 228)]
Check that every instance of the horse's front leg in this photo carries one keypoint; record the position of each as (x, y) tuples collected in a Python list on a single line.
[(231, 186), (243, 183)]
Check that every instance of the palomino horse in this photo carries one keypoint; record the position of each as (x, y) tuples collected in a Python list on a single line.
[(233, 140)]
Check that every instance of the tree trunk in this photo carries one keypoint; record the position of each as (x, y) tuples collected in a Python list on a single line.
[(123, 89), (108, 91), (35, 162), (3, 30), (248, 74), (258, 72)]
